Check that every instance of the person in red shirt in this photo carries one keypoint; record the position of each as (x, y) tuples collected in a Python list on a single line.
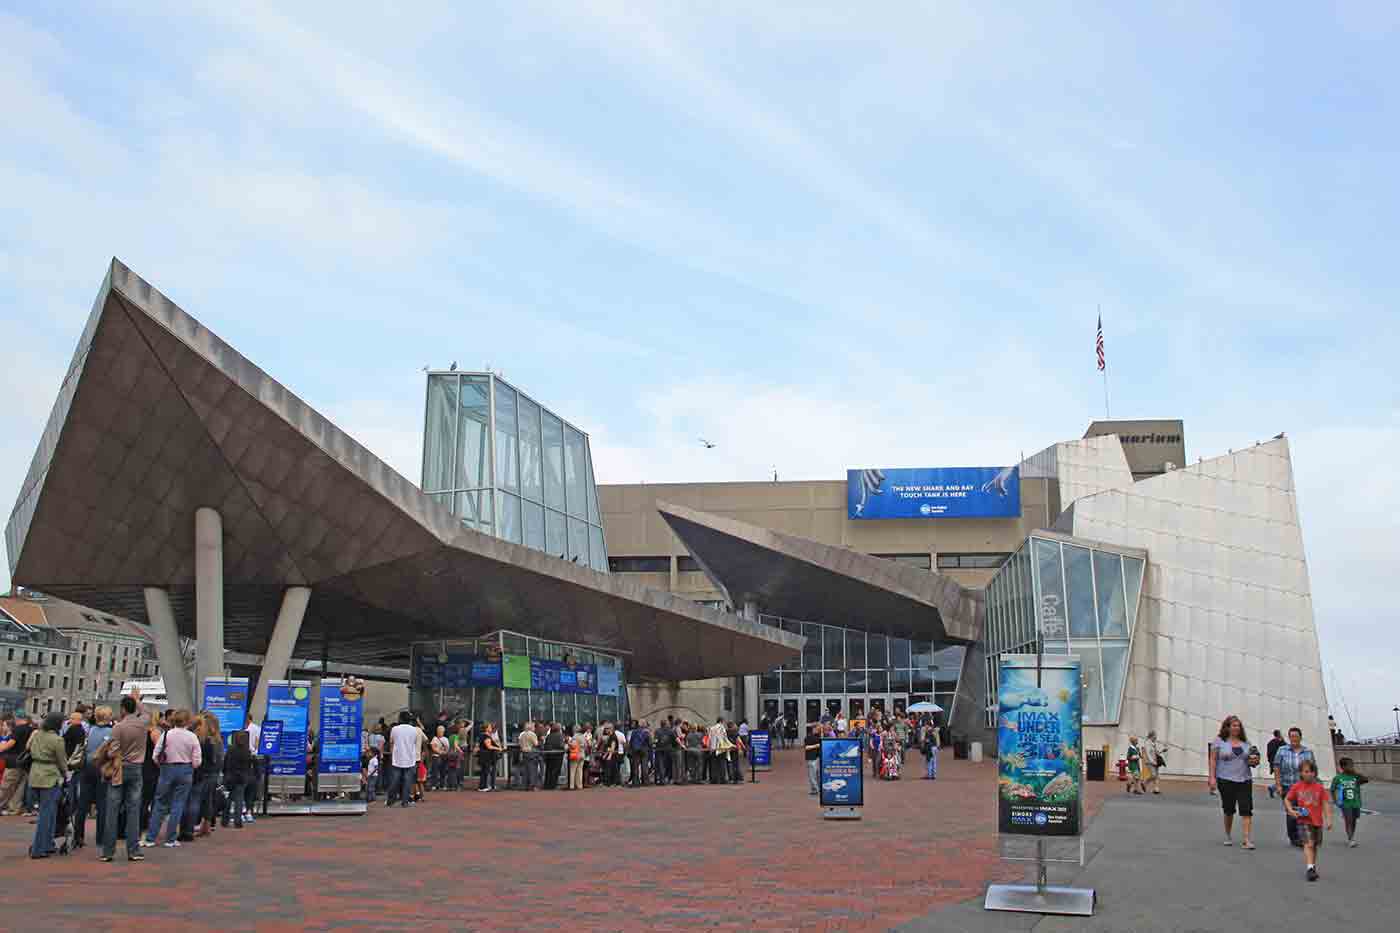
[(1309, 802)]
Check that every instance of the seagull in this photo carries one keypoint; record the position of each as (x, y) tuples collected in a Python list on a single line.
[(709, 445), (453, 367)]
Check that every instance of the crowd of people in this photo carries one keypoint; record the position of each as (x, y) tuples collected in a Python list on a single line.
[(884, 741), (138, 772)]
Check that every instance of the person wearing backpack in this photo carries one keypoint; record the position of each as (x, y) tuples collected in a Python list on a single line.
[(91, 790)]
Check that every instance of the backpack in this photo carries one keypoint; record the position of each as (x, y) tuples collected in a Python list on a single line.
[(637, 740)]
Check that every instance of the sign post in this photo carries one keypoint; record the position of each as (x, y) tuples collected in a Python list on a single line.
[(288, 702), (842, 780), (1040, 774)]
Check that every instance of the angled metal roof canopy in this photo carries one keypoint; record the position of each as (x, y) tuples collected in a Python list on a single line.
[(157, 418), (804, 579)]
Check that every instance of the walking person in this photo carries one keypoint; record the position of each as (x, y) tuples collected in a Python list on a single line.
[(127, 751), (91, 789), (1308, 802), (1288, 762), (1134, 757), (812, 753), (489, 754), (48, 769), (930, 750), (238, 776), (1152, 761), (1272, 748), (1231, 758), (1346, 792), (178, 754)]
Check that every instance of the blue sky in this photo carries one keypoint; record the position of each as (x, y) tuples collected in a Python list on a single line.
[(820, 239)]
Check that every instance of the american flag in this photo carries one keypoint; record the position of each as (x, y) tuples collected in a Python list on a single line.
[(1098, 343)]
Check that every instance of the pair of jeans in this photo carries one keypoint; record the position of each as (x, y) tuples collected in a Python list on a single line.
[(90, 791), (532, 764), (196, 805), (126, 795), (370, 784), (694, 765), (437, 774), (663, 773), (638, 760), (487, 763), (238, 793), (48, 820), (813, 774), (401, 785), (12, 788), (172, 791), (932, 762), (553, 763)]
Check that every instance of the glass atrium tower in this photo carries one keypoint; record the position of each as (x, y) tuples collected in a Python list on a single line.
[(507, 466)]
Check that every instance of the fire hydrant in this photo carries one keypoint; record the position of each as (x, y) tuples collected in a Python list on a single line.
[(1122, 769)]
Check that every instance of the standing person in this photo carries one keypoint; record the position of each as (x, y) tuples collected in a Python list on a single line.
[(553, 756), (13, 785), (1272, 748), (440, 747), (178, 754), (238, 778), (90, 787), (74, 730), (665, 744), (251, 793), (930, 751), (529, 744), (1231, 758), (370, 777), (1308, 802), (638, 750), (129, 739), (812, 753), (1288, 761), (48, 769), (695, 754), (487, 757), (403, 756), (198, 817), (1134, 756), (1346, 791), (874, 739), (1152, 761), (719, 751), (577, 756), (150, 770)]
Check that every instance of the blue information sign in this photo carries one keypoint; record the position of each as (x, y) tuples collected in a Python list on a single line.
[(947, 492), (289, 702), (563, 677), (269, 737), (459, 671), (609, 681), (227, 699), (760, 751), (841, 776), (342, 717)]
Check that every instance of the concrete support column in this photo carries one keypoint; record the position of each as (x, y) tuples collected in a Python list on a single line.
[(208, 597), (167, 639), (750, 612), (279, 647)]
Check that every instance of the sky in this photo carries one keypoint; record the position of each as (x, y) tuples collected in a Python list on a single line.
[(819, 237)]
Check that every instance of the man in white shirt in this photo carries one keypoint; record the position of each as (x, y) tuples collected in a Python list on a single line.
[(841, 723), (405, 747)]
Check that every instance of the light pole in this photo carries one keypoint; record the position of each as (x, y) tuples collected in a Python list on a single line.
[(1397, 724)]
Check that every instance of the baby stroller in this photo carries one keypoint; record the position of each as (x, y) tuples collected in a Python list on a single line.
[(63, 818), (889, 765)]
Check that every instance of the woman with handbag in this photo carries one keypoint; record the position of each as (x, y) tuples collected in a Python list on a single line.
[(48, 769)]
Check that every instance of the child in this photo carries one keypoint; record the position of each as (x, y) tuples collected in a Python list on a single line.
[(1346, 791), (371, 775), (1134, 756), (1308, 802)]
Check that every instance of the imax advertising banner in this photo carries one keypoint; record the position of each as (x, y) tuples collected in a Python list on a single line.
[(946, 492), (1039, 779), (227, 699), (841, 777), (342, 716), (289, 702)]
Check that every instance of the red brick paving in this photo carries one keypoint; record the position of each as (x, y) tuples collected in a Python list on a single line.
[(668, 858)]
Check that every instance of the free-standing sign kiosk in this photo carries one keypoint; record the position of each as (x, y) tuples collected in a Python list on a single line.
[(1040, 773), (842, 781)]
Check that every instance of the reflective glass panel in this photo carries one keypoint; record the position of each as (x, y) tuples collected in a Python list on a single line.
[(769, 683), (574, 480), (592, 493), (554, 534), (517, 711), (1108, 584), (488, 705), (534, 525), (1092, 676), (879, 682), (856, 681), (899, 681), (508, 515), (597, 555), (1079, 576), (876, 654), (438, 438), (899, 652), (835, 681), (587, 708), (1052, 591), (1132, 581), (923, 682), (607, 708), (855, 648), (811, 681), (578, 541), (812, 650), (923, 654), (947, 664), (474, 417), (531, 453), (792, 682), (1115, 670), (831, 644), (540, 707), (553, 462), (564, 709), (507, 460)]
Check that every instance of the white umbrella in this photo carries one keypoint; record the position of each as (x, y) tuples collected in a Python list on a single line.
[(925, 707)]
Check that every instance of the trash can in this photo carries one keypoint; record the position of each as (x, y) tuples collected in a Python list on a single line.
[(960, 749), (976, 751), (1096, 763)]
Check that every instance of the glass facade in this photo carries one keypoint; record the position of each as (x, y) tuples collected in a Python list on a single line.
[(1066, 597), (509, 467), (853, 672)]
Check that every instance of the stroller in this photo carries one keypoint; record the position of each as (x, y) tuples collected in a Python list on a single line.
[(889, 765), (63, 818)]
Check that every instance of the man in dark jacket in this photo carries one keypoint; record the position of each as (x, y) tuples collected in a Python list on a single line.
[(553, 756)]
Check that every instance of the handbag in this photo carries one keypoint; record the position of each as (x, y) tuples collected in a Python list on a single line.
[(1161, 760)]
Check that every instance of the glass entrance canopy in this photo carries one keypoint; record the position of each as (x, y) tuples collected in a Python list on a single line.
[(507, 466), (1065, 595)]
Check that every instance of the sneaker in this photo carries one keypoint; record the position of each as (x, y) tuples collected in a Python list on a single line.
[(104, 858), (173, 844), (1247, 845), (134, 857), (1312, 874), (1228, 841), (148, 843), (1352, 843)]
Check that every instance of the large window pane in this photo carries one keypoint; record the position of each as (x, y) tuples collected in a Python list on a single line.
[(792, 682), (475, 510), (856, 681), (1115, 669), (922, 655), (439, 435), (578, 541), (541, 710), (879, 682), (812, 650), (769, 683), (1132, 583), (531, 453), (947, 665), (574, 480), (534, 525), (473, 467), (508, 515), (507, 461), (834, 682), (564, 712), (855, 649), (517, 711), (1053, 626), (1078, 576), (1108, 585), (811, 681), (899, 681), (554, 534), (553, 462), (1092, 676), (831, 643), (597, 555), (592, 492), (899, 652), (923, 682), (877, 654)]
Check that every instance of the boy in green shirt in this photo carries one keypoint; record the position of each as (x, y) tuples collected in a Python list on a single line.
[(1346, 791)]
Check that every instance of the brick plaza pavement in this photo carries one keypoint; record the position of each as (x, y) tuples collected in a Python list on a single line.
[(725, 857)]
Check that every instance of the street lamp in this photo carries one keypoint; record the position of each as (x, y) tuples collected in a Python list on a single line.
[(1396, 711)]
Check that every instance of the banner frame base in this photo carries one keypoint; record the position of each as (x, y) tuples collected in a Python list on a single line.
[(1030, 899), (841, 813)]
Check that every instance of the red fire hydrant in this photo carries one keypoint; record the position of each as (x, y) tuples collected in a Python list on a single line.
[(1122, 769)]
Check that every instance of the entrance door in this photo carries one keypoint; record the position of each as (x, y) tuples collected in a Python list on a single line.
[(770, 708), (857, 707), (814, 711), (901, 704), (790, 714), (877, 703), (833, 707)]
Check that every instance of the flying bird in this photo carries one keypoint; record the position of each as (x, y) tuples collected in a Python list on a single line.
[(708, 444)]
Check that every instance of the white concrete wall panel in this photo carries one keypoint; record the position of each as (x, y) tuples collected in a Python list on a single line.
[(1226, 621)]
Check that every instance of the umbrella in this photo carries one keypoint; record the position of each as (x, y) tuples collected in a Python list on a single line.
[(925, 707)]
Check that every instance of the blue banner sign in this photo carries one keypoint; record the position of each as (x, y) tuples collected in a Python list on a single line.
[(947, 492), (227, 699), (342, 717), (760, 751), (289, 702), (269, 737), (1038, 746), (841, 776), (459, 671), (562, 677), (609, 681)]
